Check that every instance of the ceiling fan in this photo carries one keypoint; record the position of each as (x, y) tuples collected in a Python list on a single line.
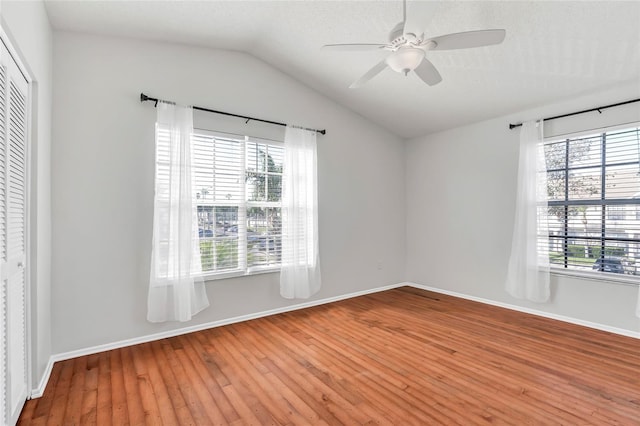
[(408, 50)]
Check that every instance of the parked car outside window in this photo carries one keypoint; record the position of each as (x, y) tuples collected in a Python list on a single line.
[(205, 233), (615, 265)]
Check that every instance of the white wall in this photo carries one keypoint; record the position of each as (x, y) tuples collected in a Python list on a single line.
[(29, 29), (103, 165), (461, 186)]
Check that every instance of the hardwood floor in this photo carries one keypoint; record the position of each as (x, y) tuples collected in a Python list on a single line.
[(403, 356)]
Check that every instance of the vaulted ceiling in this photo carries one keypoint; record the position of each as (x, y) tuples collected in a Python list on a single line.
[(554, 50)]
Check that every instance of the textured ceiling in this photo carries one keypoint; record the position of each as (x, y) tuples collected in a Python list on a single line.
[(553, 50)]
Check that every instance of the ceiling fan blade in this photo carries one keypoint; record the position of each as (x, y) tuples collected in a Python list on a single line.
[(428, 73), (353, 47), (468, 39), (377, 69)]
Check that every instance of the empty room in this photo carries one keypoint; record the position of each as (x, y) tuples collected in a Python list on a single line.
[(319, 212)]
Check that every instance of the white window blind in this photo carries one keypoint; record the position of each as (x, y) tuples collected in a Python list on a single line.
[(238, 181), (593, 184)]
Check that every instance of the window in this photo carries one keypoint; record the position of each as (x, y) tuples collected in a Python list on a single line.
[(616, 212), (238, 184), (593, 186)]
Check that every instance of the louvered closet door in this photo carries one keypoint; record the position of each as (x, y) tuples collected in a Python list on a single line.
[(13, 98)]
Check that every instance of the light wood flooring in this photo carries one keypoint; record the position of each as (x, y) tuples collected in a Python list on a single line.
[(398, 357)]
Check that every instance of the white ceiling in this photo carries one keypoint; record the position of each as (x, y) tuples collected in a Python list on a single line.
[(554, 50)]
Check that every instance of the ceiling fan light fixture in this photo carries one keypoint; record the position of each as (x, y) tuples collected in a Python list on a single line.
[(405, 59), (408, 50)]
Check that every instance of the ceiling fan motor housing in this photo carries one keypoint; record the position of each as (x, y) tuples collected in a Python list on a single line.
[(396, 32), (398, 38)]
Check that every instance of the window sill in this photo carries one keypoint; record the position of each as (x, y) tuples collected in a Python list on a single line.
[(235, 274), (597, 276)]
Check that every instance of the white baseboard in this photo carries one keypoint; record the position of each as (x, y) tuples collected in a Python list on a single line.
[(36, 393), (571, 320)]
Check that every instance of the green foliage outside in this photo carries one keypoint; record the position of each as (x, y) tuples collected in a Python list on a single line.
[(206, 255), (578, 250), (218, 255), (558, 258), (266, 187), (577, 255), (256, 258)]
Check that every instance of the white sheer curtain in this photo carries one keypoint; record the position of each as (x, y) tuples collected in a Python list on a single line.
[(300, 273), (528, 272), (176, 291)]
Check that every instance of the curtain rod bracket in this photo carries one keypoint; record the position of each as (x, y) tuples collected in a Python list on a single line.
[(144, 98)]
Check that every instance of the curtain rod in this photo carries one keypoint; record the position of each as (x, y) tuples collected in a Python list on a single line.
[(513, 126), (144, 98)]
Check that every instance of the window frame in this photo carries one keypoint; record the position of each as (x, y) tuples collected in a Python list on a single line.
[(602, 201), (243, 206)]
